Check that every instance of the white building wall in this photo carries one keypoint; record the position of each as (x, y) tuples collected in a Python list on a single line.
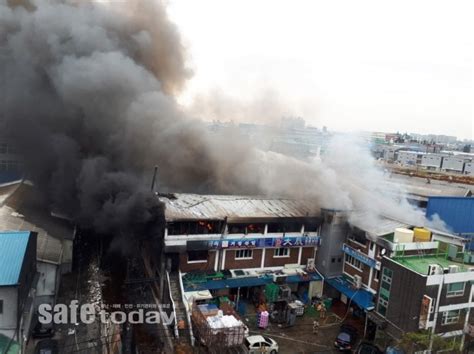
[(432, 161), (469, 168), (47, 283), (8, 318), (452, 163), (408, 158)]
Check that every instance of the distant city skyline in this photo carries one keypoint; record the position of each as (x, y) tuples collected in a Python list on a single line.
[(366, 65)]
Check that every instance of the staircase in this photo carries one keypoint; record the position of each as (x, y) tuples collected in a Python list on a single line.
[(183, 331)]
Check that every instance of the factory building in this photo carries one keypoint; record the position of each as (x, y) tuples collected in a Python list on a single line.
[(409, 158), (469, 168), (454, 163), (432, 161)]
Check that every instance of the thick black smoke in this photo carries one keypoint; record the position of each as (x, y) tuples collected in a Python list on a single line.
[(87, 93), (87, 96)]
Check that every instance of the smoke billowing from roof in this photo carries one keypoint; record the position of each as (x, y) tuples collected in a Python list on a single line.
[(87, 94)]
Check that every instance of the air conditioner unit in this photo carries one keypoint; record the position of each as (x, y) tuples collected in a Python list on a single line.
[(284, 292), (453, 268), (357, 281), (471, 269), (279, 278), (434, 269), (310, 264)]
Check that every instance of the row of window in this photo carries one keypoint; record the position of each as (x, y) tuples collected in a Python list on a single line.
[(10, 165), (201, 256), (216, 227), (353, 262), (384, 291), (7, 149)]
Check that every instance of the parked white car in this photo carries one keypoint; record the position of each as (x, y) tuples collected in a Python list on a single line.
[(261, 344)]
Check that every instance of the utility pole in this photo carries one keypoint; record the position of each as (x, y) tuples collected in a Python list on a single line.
[(154, 179)]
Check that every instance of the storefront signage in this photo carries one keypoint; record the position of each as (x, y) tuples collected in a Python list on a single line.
[(263, 242), (359, 256)]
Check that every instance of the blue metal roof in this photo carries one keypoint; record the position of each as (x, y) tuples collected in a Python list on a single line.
[(12, 251), (361, 297), (456, 212)]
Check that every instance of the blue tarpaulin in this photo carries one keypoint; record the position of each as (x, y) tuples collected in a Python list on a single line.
[(362, 297), (244, 282)]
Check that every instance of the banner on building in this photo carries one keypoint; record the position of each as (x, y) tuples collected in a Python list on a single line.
[(425, 311), (306, 241), (359, 256)]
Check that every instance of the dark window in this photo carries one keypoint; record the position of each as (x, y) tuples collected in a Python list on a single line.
[(333, 260), (339, 260), (194, 227), (310, 226), (194, 256), (357, 235), (278, 227), (1, 306), (246, 228)]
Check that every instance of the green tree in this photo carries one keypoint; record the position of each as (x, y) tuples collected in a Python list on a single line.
[(418, 341)]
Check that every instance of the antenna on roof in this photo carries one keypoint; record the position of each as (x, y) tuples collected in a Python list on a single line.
[(154, 179)]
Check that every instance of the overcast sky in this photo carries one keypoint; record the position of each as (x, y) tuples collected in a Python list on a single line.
[(349, 65)]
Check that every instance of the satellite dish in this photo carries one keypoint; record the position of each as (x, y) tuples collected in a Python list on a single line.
[(383, 251)]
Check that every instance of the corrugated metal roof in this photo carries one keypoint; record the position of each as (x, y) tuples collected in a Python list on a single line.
[(12, 251), (21, 214), (378, 226), (196, 207), (456, 212)]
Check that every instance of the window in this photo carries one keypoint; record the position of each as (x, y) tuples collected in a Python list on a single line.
[(1, 307), (353, 262), (243, 254), (357, 235), (372, 245), (197, 256), (384, 291), (455, 289), (281, 252), (450, 317), (377, 275)]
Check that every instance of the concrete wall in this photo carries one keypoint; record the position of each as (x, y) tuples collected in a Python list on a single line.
[(8, 318), (306, 253), (453, 164), (406, 292), (272, 261), (432, 161), (408, 157), (469, 168), (186, 266), (333, 235), (48, 283), (232, 263)]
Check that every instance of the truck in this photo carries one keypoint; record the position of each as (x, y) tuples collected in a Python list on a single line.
[(218, 328)]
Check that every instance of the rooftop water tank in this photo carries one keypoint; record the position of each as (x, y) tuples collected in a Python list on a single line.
[(403, 235)]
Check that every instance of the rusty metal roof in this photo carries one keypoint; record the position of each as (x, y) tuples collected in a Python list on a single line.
[(218, 207)]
